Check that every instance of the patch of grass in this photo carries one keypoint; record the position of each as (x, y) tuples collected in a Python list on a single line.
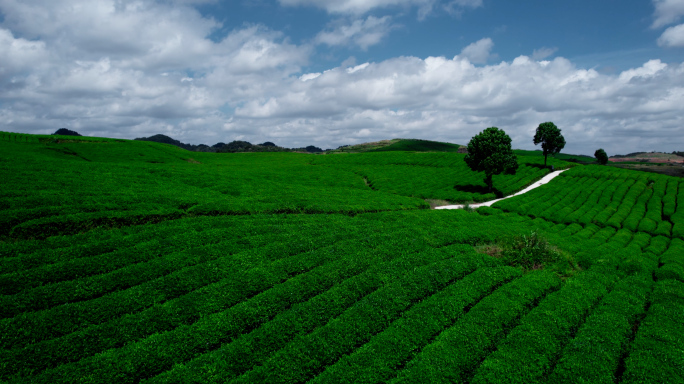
[(531, 252)]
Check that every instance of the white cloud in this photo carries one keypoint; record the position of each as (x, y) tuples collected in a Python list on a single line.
[(18, 55), (650, 69), (362, 33), (156, 34), (355, 6), (124, 66), (667, 12), (480, 51), (672, 37), (359, 7), (452, 100), (543, 53), (309, 76), (162, 74), (456, 7)]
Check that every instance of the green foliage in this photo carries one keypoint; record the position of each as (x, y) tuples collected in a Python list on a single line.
[(594, 354), (128, 261), (530, 251), (601, 156), (442, 176), (543, 332), (419, 146), (656, 355), (607, 197), (549, 136), (458, 350), (490, 152), (378, 360)]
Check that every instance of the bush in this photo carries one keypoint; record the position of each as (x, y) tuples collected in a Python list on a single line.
[(528, 251)]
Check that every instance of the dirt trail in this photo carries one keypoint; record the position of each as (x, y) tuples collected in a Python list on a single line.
[(536, 184)]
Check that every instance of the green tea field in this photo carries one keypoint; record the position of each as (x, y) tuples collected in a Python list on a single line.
[(136, 262)]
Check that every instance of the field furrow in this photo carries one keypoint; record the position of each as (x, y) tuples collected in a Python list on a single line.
[(457, 351)]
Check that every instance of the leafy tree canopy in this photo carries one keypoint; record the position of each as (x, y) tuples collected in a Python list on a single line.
[(601, 156), (490, 152), (66, 132), (550, 138)]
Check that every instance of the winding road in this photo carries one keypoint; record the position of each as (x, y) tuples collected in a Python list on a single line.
[(536, 184)]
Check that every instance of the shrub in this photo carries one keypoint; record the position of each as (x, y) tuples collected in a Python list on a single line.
[(528, 251)]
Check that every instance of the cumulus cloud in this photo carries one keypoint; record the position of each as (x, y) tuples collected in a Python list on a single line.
[(672, 37), (667, 12), (543, 53), (362, 33), (18, 55), (479, 52), (129, 66), (457, 7), (359, 7), (249, 85), (452, 100)]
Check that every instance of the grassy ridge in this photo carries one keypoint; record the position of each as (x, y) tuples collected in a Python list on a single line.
[(419, 146)]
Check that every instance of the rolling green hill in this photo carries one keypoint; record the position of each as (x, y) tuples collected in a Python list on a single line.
[(560, 156), (414, 145), (410, 145), (131, 262)]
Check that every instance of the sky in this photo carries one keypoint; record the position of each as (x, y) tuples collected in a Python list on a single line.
[(608, 73)]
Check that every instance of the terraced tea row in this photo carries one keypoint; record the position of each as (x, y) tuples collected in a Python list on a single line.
[(326, 297), (215, 286), (68, 188), (611, 197), (436, 175)]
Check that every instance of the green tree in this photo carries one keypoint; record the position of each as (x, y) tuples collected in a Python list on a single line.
[(490, 152), (550, 138), (601, 156)]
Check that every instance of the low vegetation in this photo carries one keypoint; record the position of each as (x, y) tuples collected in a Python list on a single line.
[(126, 262)]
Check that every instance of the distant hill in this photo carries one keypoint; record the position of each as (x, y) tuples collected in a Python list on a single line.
[(413, 145), (649, 157), (583, 159), (364, 147), (167, 140), (66, 132), (416, 145), (232, 147)]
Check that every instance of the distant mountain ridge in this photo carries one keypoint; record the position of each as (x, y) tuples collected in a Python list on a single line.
[(232, 147)]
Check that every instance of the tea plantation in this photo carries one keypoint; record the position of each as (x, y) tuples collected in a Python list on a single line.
[(128, 261)]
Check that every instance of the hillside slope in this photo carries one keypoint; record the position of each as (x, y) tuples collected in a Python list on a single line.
[(129, 262)]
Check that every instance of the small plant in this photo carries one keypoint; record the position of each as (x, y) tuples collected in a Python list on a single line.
[(531, 252), (528, 251), (468, 208)]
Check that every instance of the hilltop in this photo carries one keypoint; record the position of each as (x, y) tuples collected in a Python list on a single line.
[(232, 147), (649, 157), (410, 145)]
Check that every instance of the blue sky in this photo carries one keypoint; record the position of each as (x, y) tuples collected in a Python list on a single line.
[(333, 72), (610, 35)]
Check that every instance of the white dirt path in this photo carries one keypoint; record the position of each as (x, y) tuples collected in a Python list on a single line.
[(536, 184)]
